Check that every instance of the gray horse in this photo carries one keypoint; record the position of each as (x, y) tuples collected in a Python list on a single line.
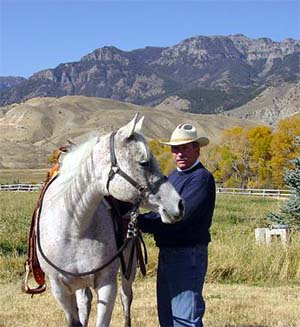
[(75, 230)]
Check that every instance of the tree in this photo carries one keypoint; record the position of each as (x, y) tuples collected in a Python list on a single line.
[(233, 168), (260, 150), (282, 147), (290, 211), (162, 154)]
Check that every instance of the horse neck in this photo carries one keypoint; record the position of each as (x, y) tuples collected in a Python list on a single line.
[(88, 188)]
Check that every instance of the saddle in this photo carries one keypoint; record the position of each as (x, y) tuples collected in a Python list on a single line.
[(119, 212)]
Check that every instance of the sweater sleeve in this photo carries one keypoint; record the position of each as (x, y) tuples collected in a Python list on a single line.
[(149, 222)]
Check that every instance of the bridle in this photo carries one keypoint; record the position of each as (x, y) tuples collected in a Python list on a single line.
[(115, 169)]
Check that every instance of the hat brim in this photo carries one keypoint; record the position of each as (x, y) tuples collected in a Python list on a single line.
[(203, 141)]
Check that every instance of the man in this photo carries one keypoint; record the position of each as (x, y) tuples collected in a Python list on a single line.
[(182, 262)]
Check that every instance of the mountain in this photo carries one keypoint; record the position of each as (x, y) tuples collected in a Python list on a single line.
[(30, 131), (213, 74), (7, 82)]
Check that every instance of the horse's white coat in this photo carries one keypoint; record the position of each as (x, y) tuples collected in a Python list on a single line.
[(76, 230)]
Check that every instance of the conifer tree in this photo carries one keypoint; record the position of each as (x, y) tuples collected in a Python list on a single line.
[(289, 213)]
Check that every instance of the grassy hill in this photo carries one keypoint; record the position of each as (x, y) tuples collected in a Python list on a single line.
[(31, 130)]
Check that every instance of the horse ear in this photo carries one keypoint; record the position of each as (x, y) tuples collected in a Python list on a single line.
[(127, 130), (139, 125)]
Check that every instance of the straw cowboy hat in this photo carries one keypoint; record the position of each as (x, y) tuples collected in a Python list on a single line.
[(186, 133)]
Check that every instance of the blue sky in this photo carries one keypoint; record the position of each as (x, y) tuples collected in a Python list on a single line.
[(40, 34)]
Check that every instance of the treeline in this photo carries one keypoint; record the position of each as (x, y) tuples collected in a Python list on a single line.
[(246, 157)]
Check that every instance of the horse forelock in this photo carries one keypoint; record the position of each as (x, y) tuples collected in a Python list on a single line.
[(72, 162)]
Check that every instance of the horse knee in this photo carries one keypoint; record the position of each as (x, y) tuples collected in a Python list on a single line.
[(84, 302), (84, 297)]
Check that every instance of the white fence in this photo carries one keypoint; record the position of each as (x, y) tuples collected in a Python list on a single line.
[(223, 190), (255, 191), (21, 187)]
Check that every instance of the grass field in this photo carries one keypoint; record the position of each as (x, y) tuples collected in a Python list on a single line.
[(248, 285), (13, 176)]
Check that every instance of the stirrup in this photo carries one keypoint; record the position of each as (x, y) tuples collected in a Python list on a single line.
[(25, 286)]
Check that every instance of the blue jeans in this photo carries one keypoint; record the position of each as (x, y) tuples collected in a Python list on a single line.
[(180, 278)]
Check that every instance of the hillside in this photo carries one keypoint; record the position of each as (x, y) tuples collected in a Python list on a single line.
[(273, 104), (31, 130)]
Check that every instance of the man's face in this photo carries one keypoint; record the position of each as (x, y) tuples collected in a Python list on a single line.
[(185, 155)]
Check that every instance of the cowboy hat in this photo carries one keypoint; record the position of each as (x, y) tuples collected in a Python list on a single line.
[(186, 133)]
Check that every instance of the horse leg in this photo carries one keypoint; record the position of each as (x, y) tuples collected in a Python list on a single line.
[(68, 302), (126, 291), (84, 298), (106, 296)]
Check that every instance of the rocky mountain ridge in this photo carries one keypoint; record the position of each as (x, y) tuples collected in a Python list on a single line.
[(214, 74)]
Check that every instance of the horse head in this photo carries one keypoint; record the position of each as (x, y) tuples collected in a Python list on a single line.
[(135, 175)]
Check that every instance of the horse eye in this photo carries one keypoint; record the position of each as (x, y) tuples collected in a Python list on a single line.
[(145, 164)]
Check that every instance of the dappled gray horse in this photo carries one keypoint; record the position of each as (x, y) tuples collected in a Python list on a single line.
[(75, 231)]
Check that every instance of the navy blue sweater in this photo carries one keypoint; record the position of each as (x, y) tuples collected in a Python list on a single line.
[(197, 189)]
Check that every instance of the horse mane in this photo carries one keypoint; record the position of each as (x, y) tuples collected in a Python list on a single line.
[(72, 161)]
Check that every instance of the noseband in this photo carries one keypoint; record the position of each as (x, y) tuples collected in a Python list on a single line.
[(115, 169)]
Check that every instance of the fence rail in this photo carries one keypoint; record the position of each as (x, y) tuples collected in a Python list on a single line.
[(223, 190), (255, 191), (20, 187)]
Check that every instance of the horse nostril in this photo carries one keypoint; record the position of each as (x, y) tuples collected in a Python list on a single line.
[(181, 207)]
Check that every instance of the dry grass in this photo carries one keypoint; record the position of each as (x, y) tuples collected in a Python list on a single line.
[(227, 306), (11, 176)]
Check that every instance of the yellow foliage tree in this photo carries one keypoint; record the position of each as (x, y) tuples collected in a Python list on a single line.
[(162, 154), (260, 151), (242, 157), (234, 166), (282, 147)]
